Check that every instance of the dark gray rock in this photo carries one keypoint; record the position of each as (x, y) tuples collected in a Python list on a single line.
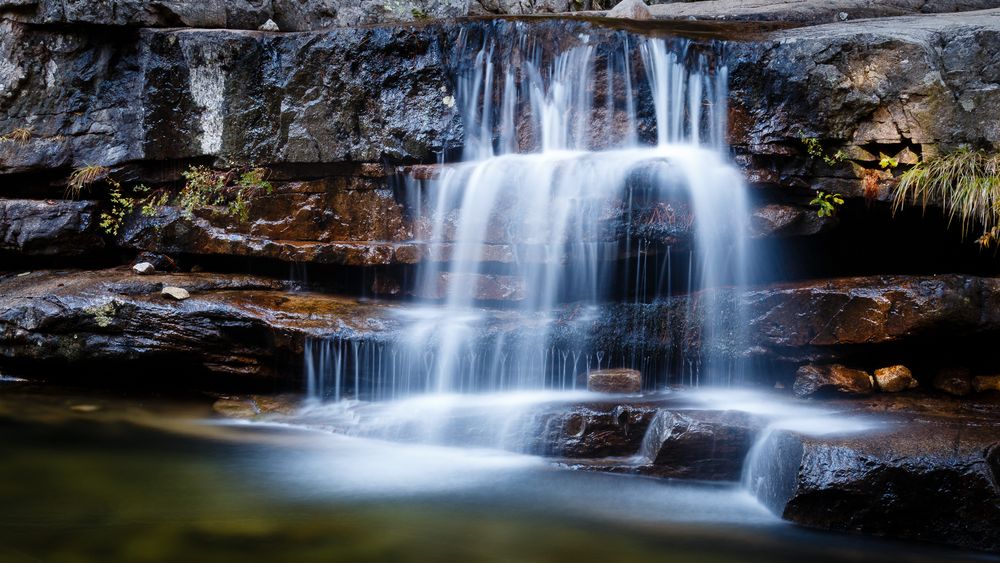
[(932, 480), (347, 95), (907, 81), (49, 228)]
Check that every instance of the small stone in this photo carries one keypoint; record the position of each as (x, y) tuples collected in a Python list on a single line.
[(615, 381), (144, 268), (954, 381), (177, 293), (842, 16), (984, 383), (815, 380), (631, 9), (894, 379), (269, 25)]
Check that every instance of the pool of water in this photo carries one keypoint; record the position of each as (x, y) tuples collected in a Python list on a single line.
[(131, 478)]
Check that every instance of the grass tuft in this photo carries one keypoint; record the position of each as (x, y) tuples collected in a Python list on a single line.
[(82, 178), (965, 183), (21, 135)]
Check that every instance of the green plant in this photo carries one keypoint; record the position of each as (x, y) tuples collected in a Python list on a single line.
[(967, 185), (230, 189), (419, 14), (815, 150), (122, 205), (20, 135), (827, 203), (886, 161), (82, 178)]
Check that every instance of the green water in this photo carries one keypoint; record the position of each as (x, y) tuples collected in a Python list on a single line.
[(134, 479)]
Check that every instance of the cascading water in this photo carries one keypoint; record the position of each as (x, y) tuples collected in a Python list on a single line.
[(560, 173)]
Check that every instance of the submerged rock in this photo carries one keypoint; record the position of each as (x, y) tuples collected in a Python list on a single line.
[(824, 380), (894, 378), (615, 381)]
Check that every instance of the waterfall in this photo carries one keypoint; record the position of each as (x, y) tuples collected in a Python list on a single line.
[(561, 178)]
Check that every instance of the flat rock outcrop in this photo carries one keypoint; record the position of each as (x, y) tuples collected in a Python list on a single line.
[(230, 324)]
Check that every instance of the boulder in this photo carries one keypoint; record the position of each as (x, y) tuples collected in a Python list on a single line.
[(825, 380), (954, 381), (697, 444), (894, 378), (926, 479), (615, 381), (630, 9), (593, 431)]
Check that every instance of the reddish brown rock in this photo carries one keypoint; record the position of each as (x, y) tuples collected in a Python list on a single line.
[(894, 378), (697, 444), (615, 381), (824, 380)]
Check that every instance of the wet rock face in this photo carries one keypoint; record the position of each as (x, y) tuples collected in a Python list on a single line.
[(692, 444), (804, 319), (36, 227), (819, 380), (919, 481), (244, 97), (901, 82)]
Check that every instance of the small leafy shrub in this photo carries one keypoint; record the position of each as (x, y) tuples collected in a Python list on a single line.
[(20, 135), (111, 221), (815, 150), (827, 203), (230, 189), (967, 185), (82, 178)]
